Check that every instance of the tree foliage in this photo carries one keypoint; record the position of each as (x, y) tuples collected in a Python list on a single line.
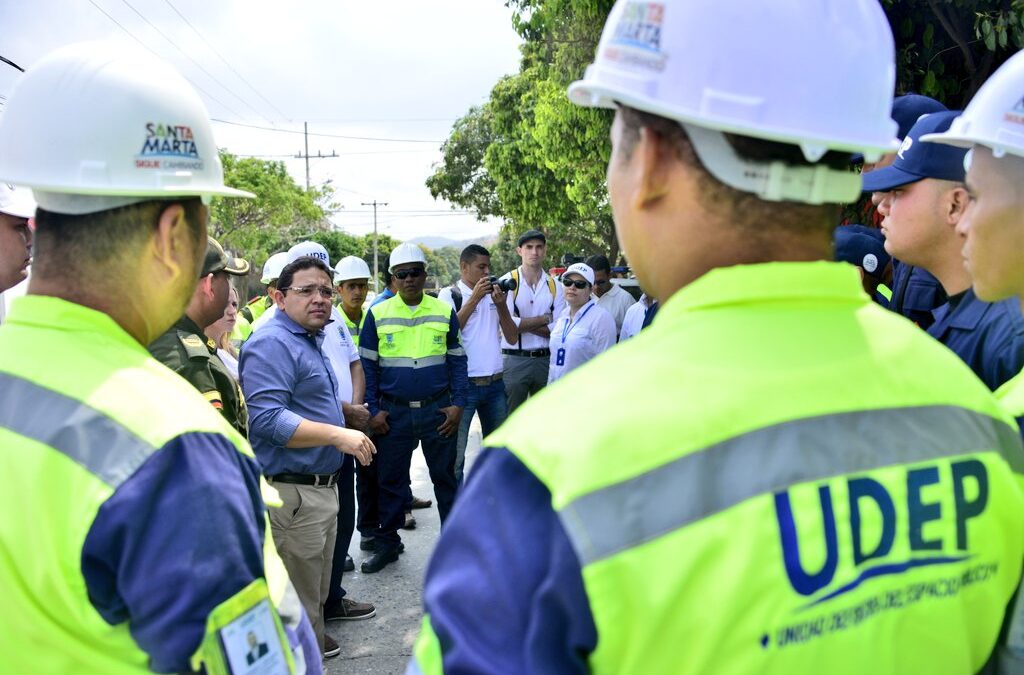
[(532, 158)]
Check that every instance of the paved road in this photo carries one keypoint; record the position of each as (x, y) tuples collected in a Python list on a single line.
[(382, 645)]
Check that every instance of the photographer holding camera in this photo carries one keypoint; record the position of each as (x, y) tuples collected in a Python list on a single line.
[(479, 301)]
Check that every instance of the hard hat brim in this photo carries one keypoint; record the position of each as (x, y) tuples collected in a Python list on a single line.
[(956, 140), (590, 94)]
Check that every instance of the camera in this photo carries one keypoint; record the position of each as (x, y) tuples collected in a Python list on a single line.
[(505, 285)]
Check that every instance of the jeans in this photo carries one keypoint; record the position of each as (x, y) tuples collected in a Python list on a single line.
[(489, 402), (408, 428), (346, 523)]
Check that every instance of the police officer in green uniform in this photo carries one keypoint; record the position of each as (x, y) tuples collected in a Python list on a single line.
[(185, 349), (799, 481)]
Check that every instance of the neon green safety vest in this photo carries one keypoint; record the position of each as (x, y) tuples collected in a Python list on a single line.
[(1011, 395), (798, 482), (82, 407), (407, 339), (353, 328)]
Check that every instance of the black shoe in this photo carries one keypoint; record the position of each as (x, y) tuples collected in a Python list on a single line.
[(350, 565), (419, 503), (367, 543), (378, 561), (410, 522)]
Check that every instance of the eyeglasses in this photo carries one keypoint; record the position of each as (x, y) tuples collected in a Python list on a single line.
[(307, 291), (414, 272), (578, 283)]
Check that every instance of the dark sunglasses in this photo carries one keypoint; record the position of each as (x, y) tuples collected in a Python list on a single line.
[(415, 273), (578, 283)]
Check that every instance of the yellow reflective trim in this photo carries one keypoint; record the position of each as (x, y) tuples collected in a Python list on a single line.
[(426, 654)]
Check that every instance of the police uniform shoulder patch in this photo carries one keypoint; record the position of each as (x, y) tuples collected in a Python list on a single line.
[(194, 346), (214, 398)]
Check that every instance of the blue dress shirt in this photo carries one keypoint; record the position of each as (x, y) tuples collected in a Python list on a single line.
[(286, 378)]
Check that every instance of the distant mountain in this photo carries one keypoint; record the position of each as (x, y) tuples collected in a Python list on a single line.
[(444, 242)]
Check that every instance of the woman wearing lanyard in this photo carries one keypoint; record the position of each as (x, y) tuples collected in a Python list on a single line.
[(583, 330)]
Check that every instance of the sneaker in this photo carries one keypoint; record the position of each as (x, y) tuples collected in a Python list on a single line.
[(349, 610), (331, 647), (410, 522), (350, 565), (367, 543), (418, 503)]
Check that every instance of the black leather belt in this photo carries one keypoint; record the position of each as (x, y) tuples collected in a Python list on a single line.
[(485, 380), (532, 353), (414, 404), (314, 479)]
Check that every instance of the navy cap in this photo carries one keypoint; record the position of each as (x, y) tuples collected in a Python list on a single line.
[(908, 109), (536, 234), (862, 246), (916, 160)]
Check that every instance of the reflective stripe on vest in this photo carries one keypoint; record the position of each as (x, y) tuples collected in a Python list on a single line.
[(411, 340)]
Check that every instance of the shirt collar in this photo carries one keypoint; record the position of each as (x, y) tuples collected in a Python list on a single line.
[(49, 312), (966, 315), (768, 282)]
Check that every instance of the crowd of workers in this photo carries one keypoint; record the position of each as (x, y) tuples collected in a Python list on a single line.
[(797, 481)]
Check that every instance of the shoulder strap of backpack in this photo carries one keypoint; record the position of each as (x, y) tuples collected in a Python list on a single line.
[(515, 293), (456, 297), (551, 288)]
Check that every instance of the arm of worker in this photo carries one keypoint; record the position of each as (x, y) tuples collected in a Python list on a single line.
[(458, 378), (355, 413), (165, 581), (504, 589), (368, 345), (268, 376)]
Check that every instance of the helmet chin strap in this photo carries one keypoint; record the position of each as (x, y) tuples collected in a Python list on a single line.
[(772, 181)]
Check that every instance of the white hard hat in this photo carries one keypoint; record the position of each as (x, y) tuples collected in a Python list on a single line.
[(406, 253), (309, 249), (818, 74), (95, 126), (272, 268), (16, 202), (351, 267), (995, 116)]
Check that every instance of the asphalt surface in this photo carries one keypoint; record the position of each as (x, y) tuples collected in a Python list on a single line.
[(383, 645)]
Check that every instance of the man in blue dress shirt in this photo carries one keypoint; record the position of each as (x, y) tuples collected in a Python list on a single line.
[(297, 430), (922, 198)]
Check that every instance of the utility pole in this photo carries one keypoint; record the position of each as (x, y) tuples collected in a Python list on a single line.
[(305, 155), (374, 204)]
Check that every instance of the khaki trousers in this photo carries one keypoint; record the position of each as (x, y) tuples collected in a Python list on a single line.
[(304, 530)]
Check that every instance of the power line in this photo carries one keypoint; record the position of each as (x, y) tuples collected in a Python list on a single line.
[(225, 61), (340, 154), (322, 135), (150, 50), (12, 64), (187, 56)]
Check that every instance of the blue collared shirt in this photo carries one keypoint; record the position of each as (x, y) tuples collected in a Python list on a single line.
[(286, 378), (915, 293), (988, 336), (414, 384)]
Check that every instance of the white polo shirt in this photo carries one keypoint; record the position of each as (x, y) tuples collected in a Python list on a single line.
[(634, 319), (533, 301), (573, 343), (338, 347), (481, 336), (616, 301)]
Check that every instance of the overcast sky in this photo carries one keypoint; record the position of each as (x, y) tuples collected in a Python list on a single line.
[(401, 69)]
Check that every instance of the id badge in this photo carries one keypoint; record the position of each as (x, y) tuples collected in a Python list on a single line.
[(560, 357), (252, 645)]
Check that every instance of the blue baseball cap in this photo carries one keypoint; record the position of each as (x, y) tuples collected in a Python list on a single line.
[(909, 108), (916, 160), (862, 246)]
